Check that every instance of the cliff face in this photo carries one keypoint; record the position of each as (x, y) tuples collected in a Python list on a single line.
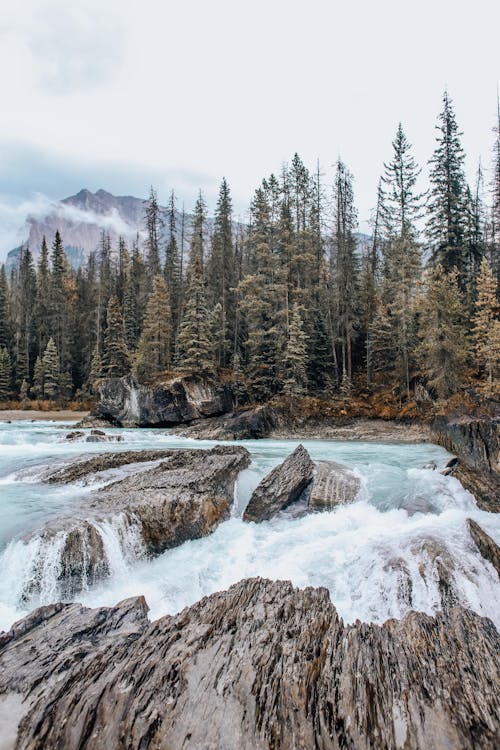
[(260, 666), (476, 442), (125, 403)]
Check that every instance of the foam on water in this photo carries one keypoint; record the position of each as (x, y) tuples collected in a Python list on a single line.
[(379, 557)]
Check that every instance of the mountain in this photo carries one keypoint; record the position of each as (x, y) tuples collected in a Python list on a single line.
[(80, 219)]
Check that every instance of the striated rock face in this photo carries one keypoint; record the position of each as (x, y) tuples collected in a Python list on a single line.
[(185, 497), (262, 666), (485, 544), (333, 485), (281, 487), (476, 442), (83, 467), (123, 402)]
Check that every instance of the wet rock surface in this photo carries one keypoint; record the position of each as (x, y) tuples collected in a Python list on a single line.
[(184, 497), (281, 487), (485, 544), (125, 403), (333, 485), (476, 443), (87, 466), (262, 665)]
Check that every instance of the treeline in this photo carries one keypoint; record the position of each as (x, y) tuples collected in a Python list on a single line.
[(292, 303)]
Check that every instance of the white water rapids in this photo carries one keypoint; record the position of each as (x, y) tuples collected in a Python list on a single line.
[(379, 557)]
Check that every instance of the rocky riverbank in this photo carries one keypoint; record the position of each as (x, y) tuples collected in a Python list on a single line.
[(260, 666)]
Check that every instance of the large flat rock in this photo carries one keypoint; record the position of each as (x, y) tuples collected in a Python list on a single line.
[(262, 666), (281, 487)]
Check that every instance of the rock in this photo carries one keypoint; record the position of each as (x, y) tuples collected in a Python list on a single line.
[(81, 468), (185, 497), (485, 544), (282, 486), (452, 463), (262, 666), (75, 435), (333, 485), (250, 424), (125, 403), (476, 442), (91, 421), (431, 465)]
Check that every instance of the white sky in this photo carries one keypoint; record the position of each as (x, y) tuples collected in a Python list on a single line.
[(120, 93)]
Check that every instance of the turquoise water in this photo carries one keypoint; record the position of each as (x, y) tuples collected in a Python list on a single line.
[(405, 518)]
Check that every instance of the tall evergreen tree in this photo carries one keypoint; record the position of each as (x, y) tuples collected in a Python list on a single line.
[(443, 346), (154, 224), (447, 201), (346, 265), (221, 274), (5, 373), (115, 359), (295, 356), (486, 324), (195, 352), (173, 270), (153, 353), (51, 370)]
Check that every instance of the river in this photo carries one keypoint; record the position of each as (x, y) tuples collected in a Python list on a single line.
[(378, 557)]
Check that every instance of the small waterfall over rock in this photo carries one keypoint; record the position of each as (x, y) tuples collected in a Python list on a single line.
[(50, 566)]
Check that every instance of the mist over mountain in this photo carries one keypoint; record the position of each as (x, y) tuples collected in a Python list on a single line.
[(81, 219)]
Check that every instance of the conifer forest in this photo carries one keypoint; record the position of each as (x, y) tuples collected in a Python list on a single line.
[(295, 301)]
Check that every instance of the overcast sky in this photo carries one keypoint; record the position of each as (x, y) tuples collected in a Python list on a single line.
[(120, 94)]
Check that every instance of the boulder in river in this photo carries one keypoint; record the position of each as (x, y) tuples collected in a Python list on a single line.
[(261, 666), (185, 496), (333, 485), (281, 487)]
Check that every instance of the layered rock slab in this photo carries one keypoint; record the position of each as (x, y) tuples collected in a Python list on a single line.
[(281, 487), (333, 485), (485, 544), (260, 666), (184, 497)]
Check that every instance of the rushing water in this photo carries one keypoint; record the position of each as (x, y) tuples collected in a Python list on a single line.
[(379, 556)]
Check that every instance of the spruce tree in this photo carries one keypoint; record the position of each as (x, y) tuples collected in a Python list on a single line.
[(443, 348), (447, 201), (195, 351), (486, 322), (346, 265), (51, 369), (96, 371), (5, 323), (221, 273), (115, 359), (5, 373), (38, 378), (154, 224), (295, 356), (173, 271), (153, 353)]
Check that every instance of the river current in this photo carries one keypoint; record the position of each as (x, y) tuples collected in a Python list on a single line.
[(379, 557)]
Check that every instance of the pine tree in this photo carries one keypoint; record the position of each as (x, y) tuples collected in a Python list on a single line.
[(443, 346), (345, 263), (38, 378), (495, 203), (115, 360), (5, 323), (295, 356), (51, 370), (197, 248), (173, 271), (447, 200), (154, 226), (401, 206), (153, 353), (221, 273), (96, 371), (486, 324), (194, 343), (5, 373)]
